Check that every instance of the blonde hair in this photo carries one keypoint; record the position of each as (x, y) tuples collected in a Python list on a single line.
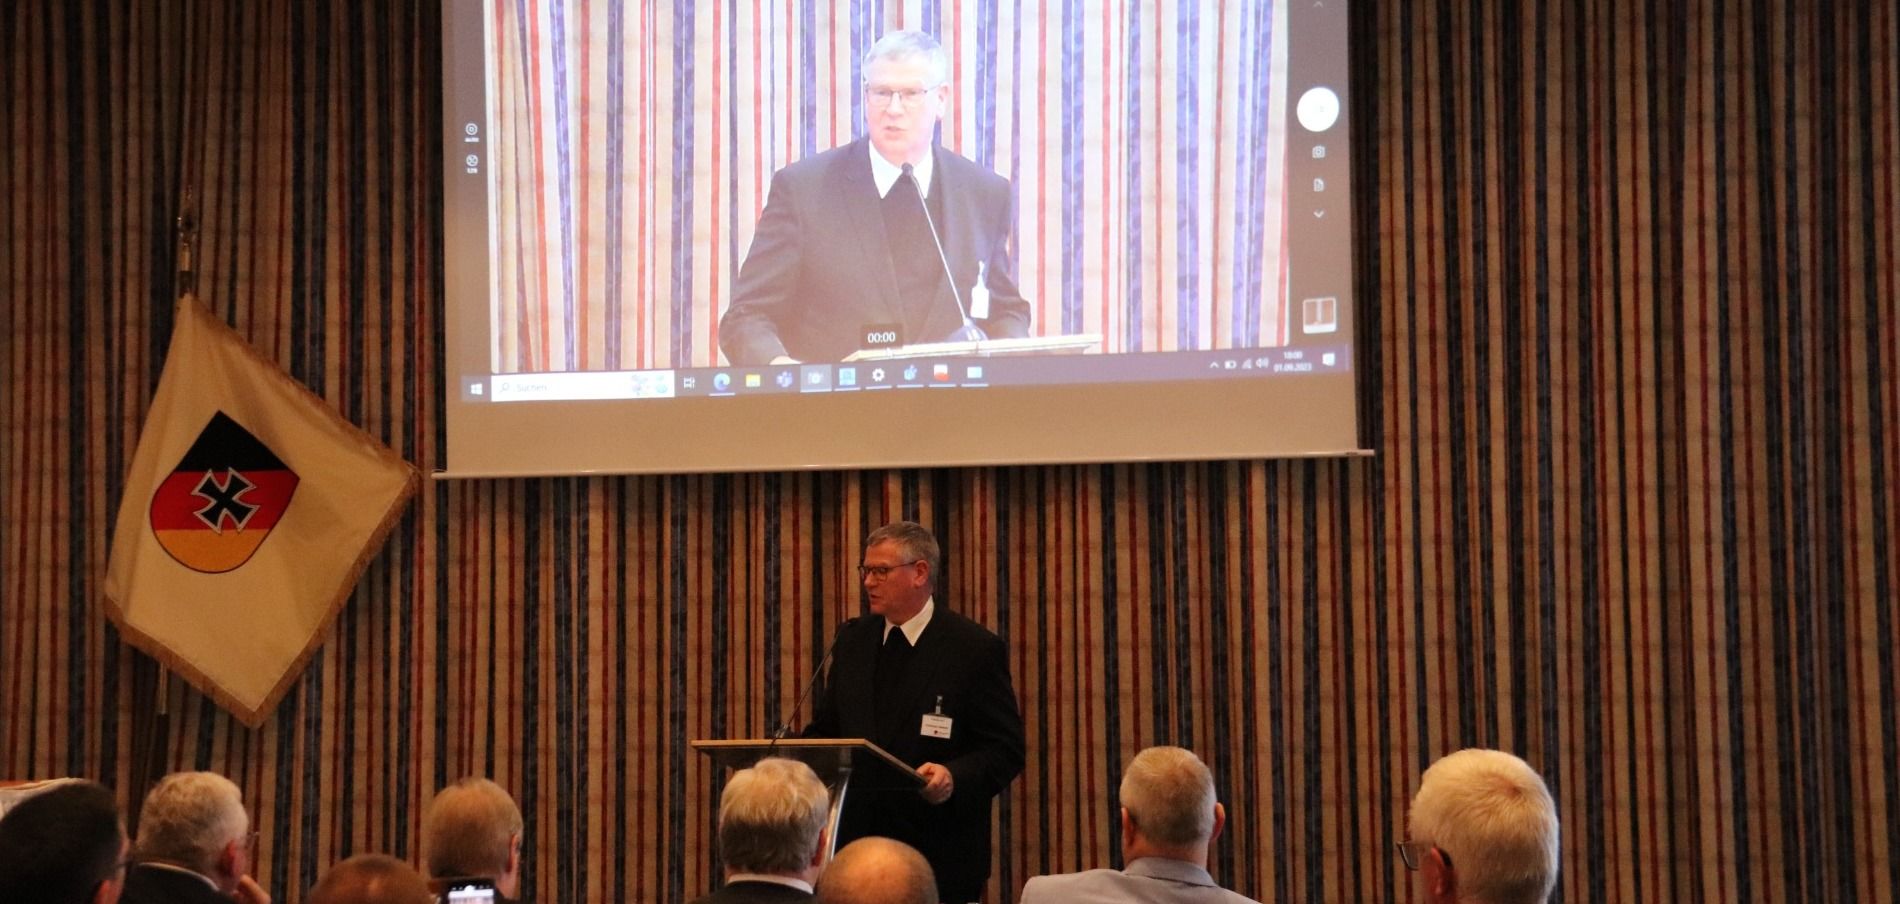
[(1170, 795), (1491, 813), (771, 817), (469, 830)]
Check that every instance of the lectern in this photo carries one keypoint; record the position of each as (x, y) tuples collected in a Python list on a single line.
[(836, 760)]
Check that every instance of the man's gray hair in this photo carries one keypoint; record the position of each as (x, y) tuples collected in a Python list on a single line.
[(771, 817), (469, 830), (188, 819), (1170, 795), (915, 541), (1492, 815), (904, 45)]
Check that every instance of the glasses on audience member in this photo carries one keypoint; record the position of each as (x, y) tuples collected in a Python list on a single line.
[(1412, 853), (908, 98), (880, 572)]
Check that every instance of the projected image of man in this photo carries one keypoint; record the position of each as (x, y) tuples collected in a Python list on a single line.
[(888, 240)]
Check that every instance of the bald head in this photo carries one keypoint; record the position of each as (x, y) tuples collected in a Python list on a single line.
[(877, 871), (473, 828), (371, 879)]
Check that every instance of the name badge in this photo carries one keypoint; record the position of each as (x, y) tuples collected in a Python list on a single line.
[(936, 725)]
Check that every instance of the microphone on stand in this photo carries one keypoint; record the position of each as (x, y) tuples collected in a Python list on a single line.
[(969, 332), (785, 724)]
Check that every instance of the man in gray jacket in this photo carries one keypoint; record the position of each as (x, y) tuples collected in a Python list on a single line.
[(1169, 820)]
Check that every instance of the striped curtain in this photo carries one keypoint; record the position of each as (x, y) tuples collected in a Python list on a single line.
[(631, 148), (1629, 282)]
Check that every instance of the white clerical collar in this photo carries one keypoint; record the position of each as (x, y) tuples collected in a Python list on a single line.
[(799, 884), (886, 173), (154, 864), (915, 627)]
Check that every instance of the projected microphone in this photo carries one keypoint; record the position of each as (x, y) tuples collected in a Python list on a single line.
[(969, 332), (785, 724)]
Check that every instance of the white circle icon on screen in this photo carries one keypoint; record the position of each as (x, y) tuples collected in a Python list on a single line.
[(1319, 109)]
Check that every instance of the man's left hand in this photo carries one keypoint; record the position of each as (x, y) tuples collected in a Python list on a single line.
[(938, 785)]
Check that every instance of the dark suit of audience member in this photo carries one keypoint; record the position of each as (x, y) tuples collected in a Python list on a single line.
[(149, 883), (755, 893), (942, 704)]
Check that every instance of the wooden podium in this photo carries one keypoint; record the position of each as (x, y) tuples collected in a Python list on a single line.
[(835, 760)]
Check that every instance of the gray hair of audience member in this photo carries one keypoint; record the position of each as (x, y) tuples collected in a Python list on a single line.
[(1169, 794), (771, 817), (877, 871), (189, 818), (469, 829), (903, 45), (371, 879), (916, 541), (1492, 815), (57, 846)]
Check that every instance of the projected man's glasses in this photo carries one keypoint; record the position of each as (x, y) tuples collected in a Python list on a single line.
[(908, 98), (880, 572)]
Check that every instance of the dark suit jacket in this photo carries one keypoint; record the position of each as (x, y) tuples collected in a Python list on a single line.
[(967, 666), (754, 893), (819, 268), (156, 885)]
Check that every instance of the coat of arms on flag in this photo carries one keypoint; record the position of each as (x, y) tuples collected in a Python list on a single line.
[(214, 509), (250, 512)]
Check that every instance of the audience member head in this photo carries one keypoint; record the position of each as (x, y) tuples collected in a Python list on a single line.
[(371, 879), (196, 820), (1483, 831), (772, 820), (1168, 806), (877, 871), (473, 828), (65, 845)]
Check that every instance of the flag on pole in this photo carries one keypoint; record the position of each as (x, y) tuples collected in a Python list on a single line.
[(250, 512)]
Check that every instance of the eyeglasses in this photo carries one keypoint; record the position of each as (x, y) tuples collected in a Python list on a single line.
[(1412, 853), (908, 98), (880, 572)]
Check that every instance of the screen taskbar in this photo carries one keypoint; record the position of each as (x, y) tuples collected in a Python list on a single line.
[(907, 374)]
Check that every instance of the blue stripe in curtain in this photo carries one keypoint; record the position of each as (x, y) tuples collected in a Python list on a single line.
[(808, 77), (1069, 101), (564, 126), (680, 299), (984, 86), (1187, 175), (1133, 247), (613, 151)]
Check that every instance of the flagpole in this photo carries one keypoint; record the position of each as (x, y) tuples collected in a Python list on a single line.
[(147, 769)]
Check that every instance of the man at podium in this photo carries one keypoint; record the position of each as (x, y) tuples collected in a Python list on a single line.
[(932, 688), (886, 241)]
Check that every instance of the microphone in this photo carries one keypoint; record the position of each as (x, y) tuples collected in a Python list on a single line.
[(969, 332), (785, 724)]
